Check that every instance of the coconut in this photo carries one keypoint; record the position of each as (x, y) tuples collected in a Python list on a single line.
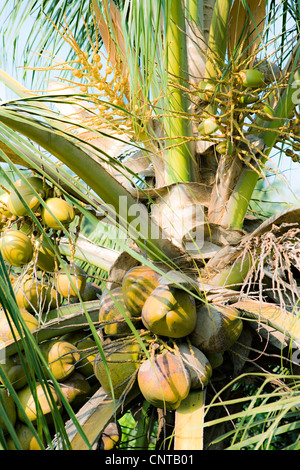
[(206, 91), (119, 359), (215, 359), (26, 438), (16, 248), (46, 258), (111, 313), (58, 213), (10, 409), (88, 351), (4, 205), (197, 364), (169, 311), (46, 397), (217, 328), (71, 283), (225, 147), (15, 204), (75, 389), (252, 78), (32, 295), (91, 292), (137, 285), (110, 436), (14, 371), (164, 381), (61, 356), (7, 329), (208, 126)]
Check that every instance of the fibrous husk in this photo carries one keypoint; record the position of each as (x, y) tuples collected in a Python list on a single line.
[(179, 210), (245, 27), (232, 263)]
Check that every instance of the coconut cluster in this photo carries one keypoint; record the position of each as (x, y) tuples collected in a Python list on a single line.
[(246, 93), (34, 216), (181, 341)]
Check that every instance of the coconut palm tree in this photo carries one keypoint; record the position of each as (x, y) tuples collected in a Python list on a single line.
[(156, 129)]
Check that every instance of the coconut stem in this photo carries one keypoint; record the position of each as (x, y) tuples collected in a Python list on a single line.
[(217, 38), (189, 419), (180, 165)]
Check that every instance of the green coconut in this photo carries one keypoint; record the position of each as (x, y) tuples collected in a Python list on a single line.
[(122, 363), (14, 370), (252, 78), (10, 409), (217, 328), (208, 126)]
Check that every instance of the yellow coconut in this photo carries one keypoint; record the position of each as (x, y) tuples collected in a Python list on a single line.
[(15, 202), (16, 248), (46, 258), (4, 211), (217, 328), (26, 438), (58, 213), (164, 381), (7, 329), (76, 389), (61, 356), (110, 436), (72, 282), (9, 407), (169, 311), (88, 350), (113, 312), (32, 295), (120, 366), (45, 397), (137, 285)]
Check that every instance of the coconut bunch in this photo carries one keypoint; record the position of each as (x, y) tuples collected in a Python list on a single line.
[(34, 217), (232, 107), (68, 359), (183, 339)]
